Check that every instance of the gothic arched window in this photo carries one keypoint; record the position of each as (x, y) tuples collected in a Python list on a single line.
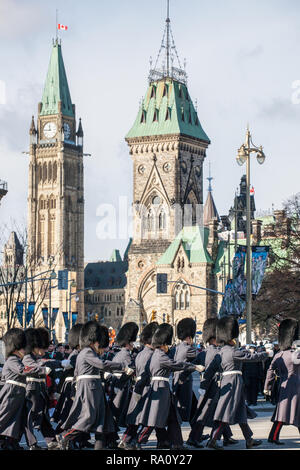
[(49, 171), (182, 297), (54, 171), (44, 172)]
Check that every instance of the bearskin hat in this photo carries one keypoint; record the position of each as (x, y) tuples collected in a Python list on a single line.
[(185, 328), (127, 334), (14, 340), (148, 332), (92, 332), (74, 333), (44, 337), (33, 340), (227, 329), (163, 335), (288, 333), (209, 329), (104, 343)]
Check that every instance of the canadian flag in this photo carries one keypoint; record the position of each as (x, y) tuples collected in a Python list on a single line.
[(61, 26), (252, 191)]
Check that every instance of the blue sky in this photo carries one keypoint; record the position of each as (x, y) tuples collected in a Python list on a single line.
[(242, 60)]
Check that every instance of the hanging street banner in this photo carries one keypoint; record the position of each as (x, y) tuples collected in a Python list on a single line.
[(54, 315), (45, 316), (259, 263), (30, 312), (232, 303), (74, 317), (238, 269), (19, 312), (62, 279), (66, 320)]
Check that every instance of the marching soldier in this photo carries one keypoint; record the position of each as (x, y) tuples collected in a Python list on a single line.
[(67, 388), (13, 392), (209, 390), (121, 383), (89, 410), (159, 410), (185, 399), (36, 395), (142, 385), (231, 407), (288, 406)]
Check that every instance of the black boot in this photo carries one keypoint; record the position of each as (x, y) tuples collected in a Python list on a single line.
[(253, 443)]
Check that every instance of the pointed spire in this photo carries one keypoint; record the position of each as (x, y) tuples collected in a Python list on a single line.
[(166, 68), (209, 179), (56, 88), (32, 130), (210, 211), (79, 132)]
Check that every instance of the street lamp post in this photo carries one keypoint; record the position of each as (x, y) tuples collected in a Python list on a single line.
[(243, 156)]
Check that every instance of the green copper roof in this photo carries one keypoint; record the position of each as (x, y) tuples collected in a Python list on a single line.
[(115, 256), (167, 109), (194, 241), (56, 87)]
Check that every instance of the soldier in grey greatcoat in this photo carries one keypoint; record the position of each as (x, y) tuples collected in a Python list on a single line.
[(67, 389), (159, 410), (287, 363), (121, 383), (142, 385), (12, 395), (88, 412), (231, 407), (209, 390), (182, 386), (36, 394)]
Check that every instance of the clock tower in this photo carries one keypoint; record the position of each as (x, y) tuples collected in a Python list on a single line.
[(56, 193)]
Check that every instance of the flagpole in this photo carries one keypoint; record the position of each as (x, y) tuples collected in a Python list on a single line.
[(56, 30)]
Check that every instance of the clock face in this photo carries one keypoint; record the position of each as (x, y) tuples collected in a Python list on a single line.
[(49, 130), (67, 130)]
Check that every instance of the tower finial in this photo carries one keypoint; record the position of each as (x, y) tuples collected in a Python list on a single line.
[(209, 179), (56, 26), (165, 68), (168, 37)]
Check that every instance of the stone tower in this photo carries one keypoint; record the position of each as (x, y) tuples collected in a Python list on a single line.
[(13, 252), (168, 146), (56, 193)]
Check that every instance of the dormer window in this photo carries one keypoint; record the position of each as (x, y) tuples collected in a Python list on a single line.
[(180, 93), (143, 117), (165, 92), (153, 92), (155, 116), (182, 115), (190, 117), (168, 114)]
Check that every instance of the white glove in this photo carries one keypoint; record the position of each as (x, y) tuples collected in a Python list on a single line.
[(107, 375), (66, 364), (200, 368), (201, 391), (128, 371), (48, 370), (267, 393)]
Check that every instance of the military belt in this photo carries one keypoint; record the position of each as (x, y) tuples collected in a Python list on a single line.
[(33, 379), (164, 379), (14, 382), (232, 372)]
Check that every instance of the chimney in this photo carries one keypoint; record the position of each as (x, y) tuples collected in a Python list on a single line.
[(256, 230), (282, 223), (212, 244)]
